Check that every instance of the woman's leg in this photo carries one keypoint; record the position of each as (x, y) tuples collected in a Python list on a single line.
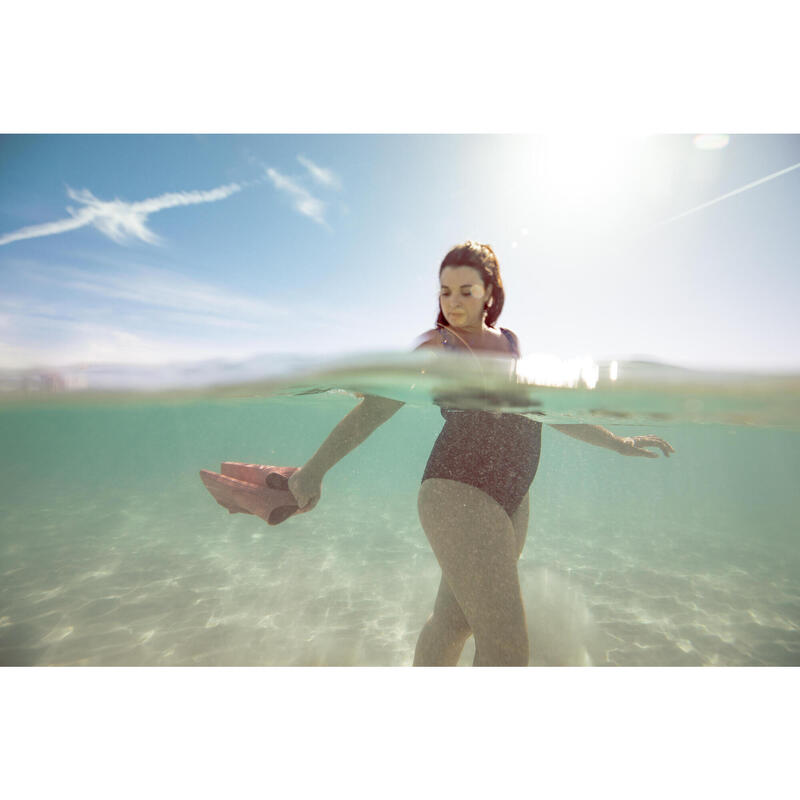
[(446, 632), (477, 547), (443, 636)]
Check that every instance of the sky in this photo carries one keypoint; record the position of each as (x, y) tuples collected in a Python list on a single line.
[(174, 248)]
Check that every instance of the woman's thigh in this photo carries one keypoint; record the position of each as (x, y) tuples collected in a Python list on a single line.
[(477, 547)]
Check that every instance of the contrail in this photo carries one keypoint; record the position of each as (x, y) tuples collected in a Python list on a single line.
[(117, 219), (730, 194)]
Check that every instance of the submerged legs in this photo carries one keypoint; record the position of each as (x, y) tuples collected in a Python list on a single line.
[(477, 546)]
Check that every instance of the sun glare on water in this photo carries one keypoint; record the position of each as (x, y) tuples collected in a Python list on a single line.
[(545, 369), (711, 141)]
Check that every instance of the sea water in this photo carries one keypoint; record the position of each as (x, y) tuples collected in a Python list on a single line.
[(113, 553)]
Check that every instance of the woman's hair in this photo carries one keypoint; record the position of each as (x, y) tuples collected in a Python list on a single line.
[(482, 258)]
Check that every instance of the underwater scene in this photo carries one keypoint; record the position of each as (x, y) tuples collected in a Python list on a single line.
[(113, 552)]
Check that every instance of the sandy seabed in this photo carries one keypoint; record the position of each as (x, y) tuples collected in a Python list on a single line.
[(130, 584)]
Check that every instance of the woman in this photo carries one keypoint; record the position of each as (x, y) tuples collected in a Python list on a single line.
[(473, 501)]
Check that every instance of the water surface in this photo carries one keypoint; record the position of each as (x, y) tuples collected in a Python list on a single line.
[(113, 553)]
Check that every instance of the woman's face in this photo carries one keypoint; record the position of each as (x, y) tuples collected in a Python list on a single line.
[(463, 296)]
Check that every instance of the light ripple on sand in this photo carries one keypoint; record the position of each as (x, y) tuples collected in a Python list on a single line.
[(332, 594)]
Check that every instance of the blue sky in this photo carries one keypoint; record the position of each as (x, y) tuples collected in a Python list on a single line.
[(188, 247)]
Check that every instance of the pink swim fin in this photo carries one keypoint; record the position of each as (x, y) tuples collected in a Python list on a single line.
[(253, 489)]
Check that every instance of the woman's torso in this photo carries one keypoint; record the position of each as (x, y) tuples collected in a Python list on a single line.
[(496, 452)]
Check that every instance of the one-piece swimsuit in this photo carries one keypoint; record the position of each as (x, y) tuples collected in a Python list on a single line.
[(497, 453)]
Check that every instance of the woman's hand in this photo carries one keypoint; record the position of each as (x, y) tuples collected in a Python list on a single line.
[(633, 446), (306, 488)]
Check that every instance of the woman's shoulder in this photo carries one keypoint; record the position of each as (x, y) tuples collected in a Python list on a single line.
[(429, 340)]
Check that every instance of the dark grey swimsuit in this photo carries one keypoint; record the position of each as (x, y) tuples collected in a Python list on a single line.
[(497, 453)]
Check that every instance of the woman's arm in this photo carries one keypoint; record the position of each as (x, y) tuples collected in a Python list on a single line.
[(628, 446), (367, 416)]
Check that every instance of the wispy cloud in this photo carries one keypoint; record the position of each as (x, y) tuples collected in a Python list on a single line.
[(326, 177), (160, 288), (141, 314), (114, 308), (117, 219), (304, 201)]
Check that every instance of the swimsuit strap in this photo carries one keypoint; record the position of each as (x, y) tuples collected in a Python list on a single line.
[(511, 340)]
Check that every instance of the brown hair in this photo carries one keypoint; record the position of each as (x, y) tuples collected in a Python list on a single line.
[(482, 258)]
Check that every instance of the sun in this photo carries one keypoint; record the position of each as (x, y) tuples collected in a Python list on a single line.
[(589, 182)]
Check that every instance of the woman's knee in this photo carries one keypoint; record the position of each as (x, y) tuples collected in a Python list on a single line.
[(501, 638), (509, 652), (451, 626), (440, 642)]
